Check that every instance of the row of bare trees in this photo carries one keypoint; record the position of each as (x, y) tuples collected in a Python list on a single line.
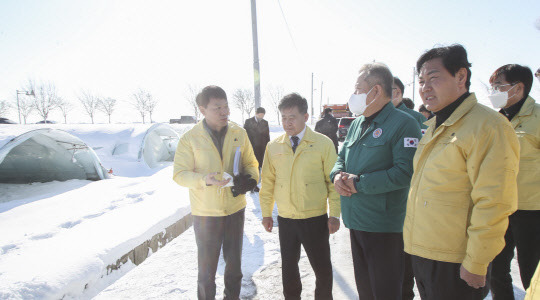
[(46, 99)]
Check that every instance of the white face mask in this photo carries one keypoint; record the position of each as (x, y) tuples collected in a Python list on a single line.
[(499, 99), (357, 103)]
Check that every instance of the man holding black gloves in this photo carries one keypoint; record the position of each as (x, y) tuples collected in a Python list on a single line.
[(206, 159)]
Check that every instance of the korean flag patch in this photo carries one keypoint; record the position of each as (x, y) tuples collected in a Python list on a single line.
[(410, 142)]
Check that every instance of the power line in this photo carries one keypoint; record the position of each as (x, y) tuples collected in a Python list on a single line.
[(288, 29)]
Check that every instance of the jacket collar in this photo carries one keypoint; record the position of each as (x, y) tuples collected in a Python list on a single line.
[(379, 119), (460, 111), (309, 136), (199, 128), (385, 112), (526, 110)]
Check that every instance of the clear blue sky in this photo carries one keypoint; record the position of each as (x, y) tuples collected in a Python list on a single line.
[(114, 47)]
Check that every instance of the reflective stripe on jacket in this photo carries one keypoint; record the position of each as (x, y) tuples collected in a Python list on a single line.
[(463, 188), (299, 182), (196, 156), (527, 126)]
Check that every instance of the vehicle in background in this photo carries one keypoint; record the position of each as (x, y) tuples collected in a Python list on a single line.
[(6, 121), (46, 122), (184, 120), (339, 110), (343, 127)]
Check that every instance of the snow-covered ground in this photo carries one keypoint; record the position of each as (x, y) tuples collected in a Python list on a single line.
[(57, 237), (171, 273)]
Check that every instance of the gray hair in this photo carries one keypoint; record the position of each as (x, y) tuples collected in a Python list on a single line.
[(378, 73)]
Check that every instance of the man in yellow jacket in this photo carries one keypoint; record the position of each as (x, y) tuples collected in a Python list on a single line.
[(204, 157), (464, 183), (510, 87), (295, 175)]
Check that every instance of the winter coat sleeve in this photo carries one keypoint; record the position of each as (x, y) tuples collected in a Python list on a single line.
[(328, 165), (184, 166), (250, 165), (492, 167), (268, 175)]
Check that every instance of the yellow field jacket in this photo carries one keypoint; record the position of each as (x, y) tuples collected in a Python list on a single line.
[(463, 188), (196, 156), (299, 182), (527, 126)]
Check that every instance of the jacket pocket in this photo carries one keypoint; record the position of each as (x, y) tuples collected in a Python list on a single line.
[(314, 195), (441, 221), (281, 195)]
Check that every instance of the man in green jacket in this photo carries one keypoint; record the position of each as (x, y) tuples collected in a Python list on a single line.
[(372, 175), (397, 99)]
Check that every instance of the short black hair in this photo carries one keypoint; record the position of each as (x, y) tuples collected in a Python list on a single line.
[(423, 108), (454, 57), (514, 73), (399, 85), (292, 100), (260, 110), (379, 73), (408, 103), (209, 92), (327, 110)]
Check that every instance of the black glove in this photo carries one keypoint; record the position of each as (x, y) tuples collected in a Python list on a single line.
[(243, 183)]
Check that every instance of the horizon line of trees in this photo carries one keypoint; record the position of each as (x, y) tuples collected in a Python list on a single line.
[(46, 99)]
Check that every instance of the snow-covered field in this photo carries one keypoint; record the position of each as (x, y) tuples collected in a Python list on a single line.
[(57, 238)]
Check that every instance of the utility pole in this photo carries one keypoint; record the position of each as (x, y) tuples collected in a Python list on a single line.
[(320, 104), (413, 79), (256, 72), (311, 98)]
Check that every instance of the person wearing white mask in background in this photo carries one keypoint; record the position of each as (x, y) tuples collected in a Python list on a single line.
[(510, 87), (372, 175)]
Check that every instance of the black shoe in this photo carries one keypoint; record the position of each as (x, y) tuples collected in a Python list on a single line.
[(256, 189)]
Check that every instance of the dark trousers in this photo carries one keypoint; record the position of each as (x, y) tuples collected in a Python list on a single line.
[(438, 280), (211, 233), (407, 290), (524, 234), (312, 233), (378, 264)]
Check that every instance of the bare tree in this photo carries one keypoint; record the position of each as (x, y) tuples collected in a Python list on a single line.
[(25, 106), (275, 94), (90, 103), (243, 100), (139, 102), (65, 107), (191, 98), (5, 106), (107, 106), (45, 100), (151, 104)]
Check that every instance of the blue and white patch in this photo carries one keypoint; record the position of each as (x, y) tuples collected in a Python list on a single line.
[(423, 131), (410, 142), (377, 133)]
